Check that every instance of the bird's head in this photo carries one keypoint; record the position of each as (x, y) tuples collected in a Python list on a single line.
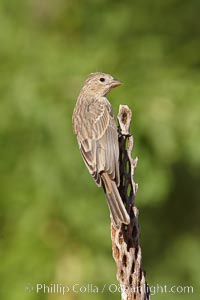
[(100, 83)]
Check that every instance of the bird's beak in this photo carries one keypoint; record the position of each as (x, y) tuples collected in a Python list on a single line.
[(115, 82)]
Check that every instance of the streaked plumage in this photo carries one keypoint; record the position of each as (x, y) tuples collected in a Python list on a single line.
[(96, 131)]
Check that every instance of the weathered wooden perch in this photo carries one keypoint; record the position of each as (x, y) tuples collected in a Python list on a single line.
[(125, 241)]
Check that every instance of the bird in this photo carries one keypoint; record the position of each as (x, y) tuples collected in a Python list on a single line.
[(96, 131)]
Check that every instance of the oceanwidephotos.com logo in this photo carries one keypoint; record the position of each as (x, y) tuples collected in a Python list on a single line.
[(90, 288)]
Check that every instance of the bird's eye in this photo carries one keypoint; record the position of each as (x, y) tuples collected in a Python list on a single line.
[(102, 79)]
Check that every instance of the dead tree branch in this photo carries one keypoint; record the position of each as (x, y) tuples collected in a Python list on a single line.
[(126, 248)]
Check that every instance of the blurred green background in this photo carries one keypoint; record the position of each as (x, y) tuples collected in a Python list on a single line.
[(54, 221)]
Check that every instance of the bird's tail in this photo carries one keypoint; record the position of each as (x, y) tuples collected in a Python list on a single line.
[(117, 209)]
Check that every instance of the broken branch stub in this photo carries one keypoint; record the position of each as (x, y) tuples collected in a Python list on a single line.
[(126, 249)]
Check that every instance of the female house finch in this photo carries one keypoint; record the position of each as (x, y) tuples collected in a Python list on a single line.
[(96, 131)]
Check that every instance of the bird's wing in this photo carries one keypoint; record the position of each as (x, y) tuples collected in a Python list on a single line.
[(98, 140)]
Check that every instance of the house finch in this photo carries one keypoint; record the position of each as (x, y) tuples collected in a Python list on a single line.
[(96, 131)]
